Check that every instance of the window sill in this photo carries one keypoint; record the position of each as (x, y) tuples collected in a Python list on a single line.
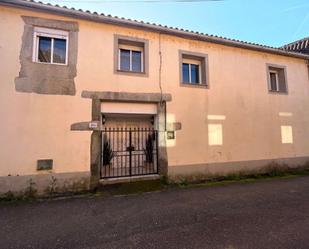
[(47, 63), (131, 73), (203, 86), (277, 92)]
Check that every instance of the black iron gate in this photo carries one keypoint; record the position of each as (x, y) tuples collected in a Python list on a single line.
[(129, 152)]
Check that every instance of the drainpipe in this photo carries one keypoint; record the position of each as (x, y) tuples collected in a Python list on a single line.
[(162, 103)]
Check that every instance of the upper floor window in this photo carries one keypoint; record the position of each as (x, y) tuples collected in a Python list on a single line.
[(130, 58), (131, 55), (50, 46), (277, 81), (193, 69)]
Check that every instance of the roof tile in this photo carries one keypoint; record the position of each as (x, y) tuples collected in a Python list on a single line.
[(284, 50)]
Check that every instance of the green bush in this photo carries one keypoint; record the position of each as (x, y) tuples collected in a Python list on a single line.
[(108, 153), (148, 150)]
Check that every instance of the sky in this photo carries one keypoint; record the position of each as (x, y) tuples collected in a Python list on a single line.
[(267, 22)]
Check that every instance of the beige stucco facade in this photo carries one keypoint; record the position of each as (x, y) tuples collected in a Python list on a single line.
[(37, 126)]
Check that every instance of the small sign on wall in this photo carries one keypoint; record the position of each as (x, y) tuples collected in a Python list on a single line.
[(170, 135), (93, 125)]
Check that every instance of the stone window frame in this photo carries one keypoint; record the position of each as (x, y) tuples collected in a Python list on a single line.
[(203, 59), (53, 34), (131, 41), (47, 78), (282, 75)]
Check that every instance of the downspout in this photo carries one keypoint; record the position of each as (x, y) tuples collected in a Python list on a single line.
[(160, 82), (162, 115)]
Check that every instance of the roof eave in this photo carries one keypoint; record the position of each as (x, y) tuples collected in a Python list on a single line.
[(145, 26)]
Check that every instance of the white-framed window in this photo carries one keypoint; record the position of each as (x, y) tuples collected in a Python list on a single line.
[(274, 80), (193, 68), (277, 78), (130, 58), (50, 46), (191, 71)]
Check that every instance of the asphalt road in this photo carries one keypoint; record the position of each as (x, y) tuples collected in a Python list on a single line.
[(271, 214)]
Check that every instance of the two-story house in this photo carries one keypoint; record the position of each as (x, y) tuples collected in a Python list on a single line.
[(87, 98)]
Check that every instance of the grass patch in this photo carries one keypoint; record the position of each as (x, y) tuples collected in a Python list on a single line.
[(10, 197), (132, 187), (139, 187), (243, 181), (268, 173)]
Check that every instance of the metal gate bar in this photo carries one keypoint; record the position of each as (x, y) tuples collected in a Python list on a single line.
[(129, 152)]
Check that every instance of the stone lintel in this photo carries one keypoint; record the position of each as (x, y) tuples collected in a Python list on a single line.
[(86, 126), (127, 96)]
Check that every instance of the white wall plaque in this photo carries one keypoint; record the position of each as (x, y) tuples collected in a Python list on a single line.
[(93, 125)]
